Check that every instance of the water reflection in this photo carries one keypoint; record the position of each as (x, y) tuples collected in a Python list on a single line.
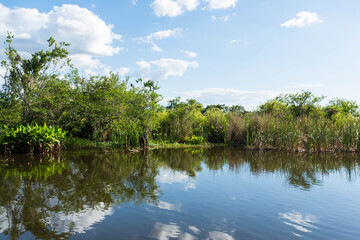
[(219, 236), (169, 176), (300, 170), (165, 231), (300, 222), (78, 222), (168, 206), (55, 198), (58, 196)]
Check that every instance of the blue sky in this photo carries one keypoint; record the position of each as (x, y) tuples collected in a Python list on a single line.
[(216, 51)]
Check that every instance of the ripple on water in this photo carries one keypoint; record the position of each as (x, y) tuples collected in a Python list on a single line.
[(301, 223)]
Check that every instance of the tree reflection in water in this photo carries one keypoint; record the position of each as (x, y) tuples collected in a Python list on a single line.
[(55, 197), (38, 195)]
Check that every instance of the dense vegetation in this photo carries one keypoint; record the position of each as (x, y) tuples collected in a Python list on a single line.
[(30, 139), (113, 110)]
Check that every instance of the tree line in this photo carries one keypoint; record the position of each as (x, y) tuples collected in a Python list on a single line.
[(47, 89)]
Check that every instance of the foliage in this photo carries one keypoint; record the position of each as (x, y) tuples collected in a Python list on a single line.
[(342, 106), (297, 104), (194, 140), (23, 76), (28, 138), (107, 112)]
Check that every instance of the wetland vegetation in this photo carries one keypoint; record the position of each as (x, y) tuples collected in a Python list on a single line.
[(205, 192), (108, 112)]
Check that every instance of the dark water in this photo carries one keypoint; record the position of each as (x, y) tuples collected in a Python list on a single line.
[(181, 194)]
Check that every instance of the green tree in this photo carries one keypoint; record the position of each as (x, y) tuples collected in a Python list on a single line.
[(297, 104), (143, 105), (183, 119), (301, 104), (23, 76), (343, 106)]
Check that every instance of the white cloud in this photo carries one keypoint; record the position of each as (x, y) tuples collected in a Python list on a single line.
[(230, 96), (160, 35), (190, 5), (190, 54), (222, 18), (234, 41), (303, 19), (123, 71), (173, 8), (2, 74), (164, 68), (85, 31), (311, 85), (143, 69), (221, 4), (89, 36), (93, 66), (84, 61), (156, 48)]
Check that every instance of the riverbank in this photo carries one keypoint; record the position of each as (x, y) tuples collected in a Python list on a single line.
[(85, 144)]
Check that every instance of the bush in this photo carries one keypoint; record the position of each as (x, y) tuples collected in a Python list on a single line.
[(194, 140), (30, 139)]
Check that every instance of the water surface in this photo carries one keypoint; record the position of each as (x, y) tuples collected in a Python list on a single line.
[(218, 193)]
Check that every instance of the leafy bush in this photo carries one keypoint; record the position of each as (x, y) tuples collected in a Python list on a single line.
[(29, 139), (194, 140)]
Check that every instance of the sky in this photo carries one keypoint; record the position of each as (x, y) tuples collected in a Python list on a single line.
[(215, 51)]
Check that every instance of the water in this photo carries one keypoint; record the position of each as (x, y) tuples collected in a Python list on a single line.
[(219, 193)]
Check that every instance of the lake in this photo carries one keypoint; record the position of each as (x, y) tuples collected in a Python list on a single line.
[(217, 193)]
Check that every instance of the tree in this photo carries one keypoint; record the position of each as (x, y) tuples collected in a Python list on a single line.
[(183, 119), (23, 76), (343, 106), (297, 104), (143, 106), (301, 103)]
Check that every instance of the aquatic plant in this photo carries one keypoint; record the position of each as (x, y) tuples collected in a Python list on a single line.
[(31, 139)]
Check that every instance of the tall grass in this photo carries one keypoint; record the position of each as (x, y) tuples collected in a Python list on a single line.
[(268, 131)]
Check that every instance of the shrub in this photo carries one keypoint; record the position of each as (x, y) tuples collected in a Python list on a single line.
[(194, 140), (30, 139)]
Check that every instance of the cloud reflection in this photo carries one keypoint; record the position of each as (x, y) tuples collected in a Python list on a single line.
[(4, 224), (299, 222), (219, 236), (162, 231), (81, 221), (167, 176), (168, 206)]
